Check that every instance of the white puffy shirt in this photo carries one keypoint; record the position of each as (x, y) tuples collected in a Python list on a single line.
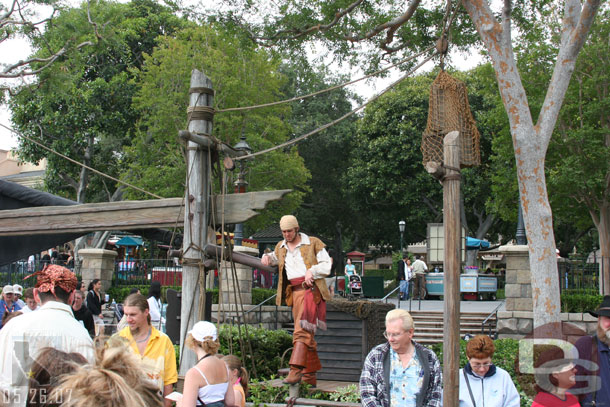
[(52, 325)]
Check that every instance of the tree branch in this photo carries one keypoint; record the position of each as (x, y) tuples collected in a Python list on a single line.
[(577, 23), (6, 73), (391, 26), (507, 11), (296, 32)]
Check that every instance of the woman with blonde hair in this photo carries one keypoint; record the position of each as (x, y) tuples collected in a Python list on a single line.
[(206, 383), (239, 378), (116, 379)]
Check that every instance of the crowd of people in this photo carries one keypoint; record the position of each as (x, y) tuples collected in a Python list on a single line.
[(49, 356), (401, 372)]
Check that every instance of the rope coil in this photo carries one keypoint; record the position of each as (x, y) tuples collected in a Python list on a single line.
[(200, 113)]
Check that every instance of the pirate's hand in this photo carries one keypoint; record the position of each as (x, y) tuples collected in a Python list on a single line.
[(309, 278)]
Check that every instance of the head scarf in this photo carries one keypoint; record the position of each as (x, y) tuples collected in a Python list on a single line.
[(53, 276), (288, 222)]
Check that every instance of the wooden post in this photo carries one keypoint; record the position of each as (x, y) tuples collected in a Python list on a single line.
[(452, 265), (196, 212)]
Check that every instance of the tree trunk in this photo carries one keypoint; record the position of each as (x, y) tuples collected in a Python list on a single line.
[(603, 230), (531, 141), (81, 193)]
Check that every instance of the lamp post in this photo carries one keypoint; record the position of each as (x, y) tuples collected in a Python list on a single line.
[(401, 228), (241, 184)]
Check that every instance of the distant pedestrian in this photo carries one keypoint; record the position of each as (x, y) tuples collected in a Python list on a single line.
[(154, 305), (82, 313), (95, 302), (7, 303), (18, 291), (30, 302), (405, 273), (419, 269)]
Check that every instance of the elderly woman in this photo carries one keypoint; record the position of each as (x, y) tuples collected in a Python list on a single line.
[(482, 383), (206, 383)]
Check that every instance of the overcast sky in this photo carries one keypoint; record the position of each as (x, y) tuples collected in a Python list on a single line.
[(15, 50)]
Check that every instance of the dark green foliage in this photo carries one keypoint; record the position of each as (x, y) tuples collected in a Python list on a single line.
[(268, 346), (574, 301), (261, 294), (119, 293), (386, 274), (81, 106)]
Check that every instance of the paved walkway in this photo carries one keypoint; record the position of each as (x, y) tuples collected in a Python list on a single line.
[(465, 306)]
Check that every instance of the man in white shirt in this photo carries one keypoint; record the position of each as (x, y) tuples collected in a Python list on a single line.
[(419, 269), (53, 325), (303, 265)]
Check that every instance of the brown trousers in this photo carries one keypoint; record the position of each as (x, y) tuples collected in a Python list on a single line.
[(299, 334)]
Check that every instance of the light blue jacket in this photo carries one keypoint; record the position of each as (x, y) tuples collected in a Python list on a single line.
[(496, 389)]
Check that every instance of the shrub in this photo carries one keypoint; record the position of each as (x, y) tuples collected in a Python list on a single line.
[(120, 292), (386, 274), (575, 301), (261, 294), (268, 346)]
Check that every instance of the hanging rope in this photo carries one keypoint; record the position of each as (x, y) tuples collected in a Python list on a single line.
[(345, 116)]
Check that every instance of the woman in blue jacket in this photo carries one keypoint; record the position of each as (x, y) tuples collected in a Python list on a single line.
[(481, 382)]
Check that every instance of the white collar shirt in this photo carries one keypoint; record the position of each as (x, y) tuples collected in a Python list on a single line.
[(52, 325), (295, 265)]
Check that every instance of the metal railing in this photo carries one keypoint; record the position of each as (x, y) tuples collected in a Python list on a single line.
[(487, 320), (385, 299), (581, 274), (143, 271), (15, 272), (259, 307)]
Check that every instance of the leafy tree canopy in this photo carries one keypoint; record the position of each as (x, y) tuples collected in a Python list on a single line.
[(81, 106), (241, 76)]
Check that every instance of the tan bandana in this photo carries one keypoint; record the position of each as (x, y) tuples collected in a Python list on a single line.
[(288, 222)]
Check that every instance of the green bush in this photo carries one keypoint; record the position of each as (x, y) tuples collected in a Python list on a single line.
[(500, 295), (261, 294), (386, 274), (268, 346), (262, 392), (579, 302), (120, 292)]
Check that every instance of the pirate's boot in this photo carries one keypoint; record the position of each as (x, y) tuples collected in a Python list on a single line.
[(298, 360), (312, 366)]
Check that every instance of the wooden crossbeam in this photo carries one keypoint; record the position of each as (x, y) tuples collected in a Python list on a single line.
[(127, 215)]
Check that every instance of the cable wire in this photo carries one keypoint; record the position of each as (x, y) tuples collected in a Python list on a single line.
[(345, 116), (79, 163), (294, 99)]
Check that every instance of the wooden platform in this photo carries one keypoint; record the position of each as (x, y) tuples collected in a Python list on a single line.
[(328, 386)]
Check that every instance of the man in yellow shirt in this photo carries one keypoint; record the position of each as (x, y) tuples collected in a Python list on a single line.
[(154, 348)]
